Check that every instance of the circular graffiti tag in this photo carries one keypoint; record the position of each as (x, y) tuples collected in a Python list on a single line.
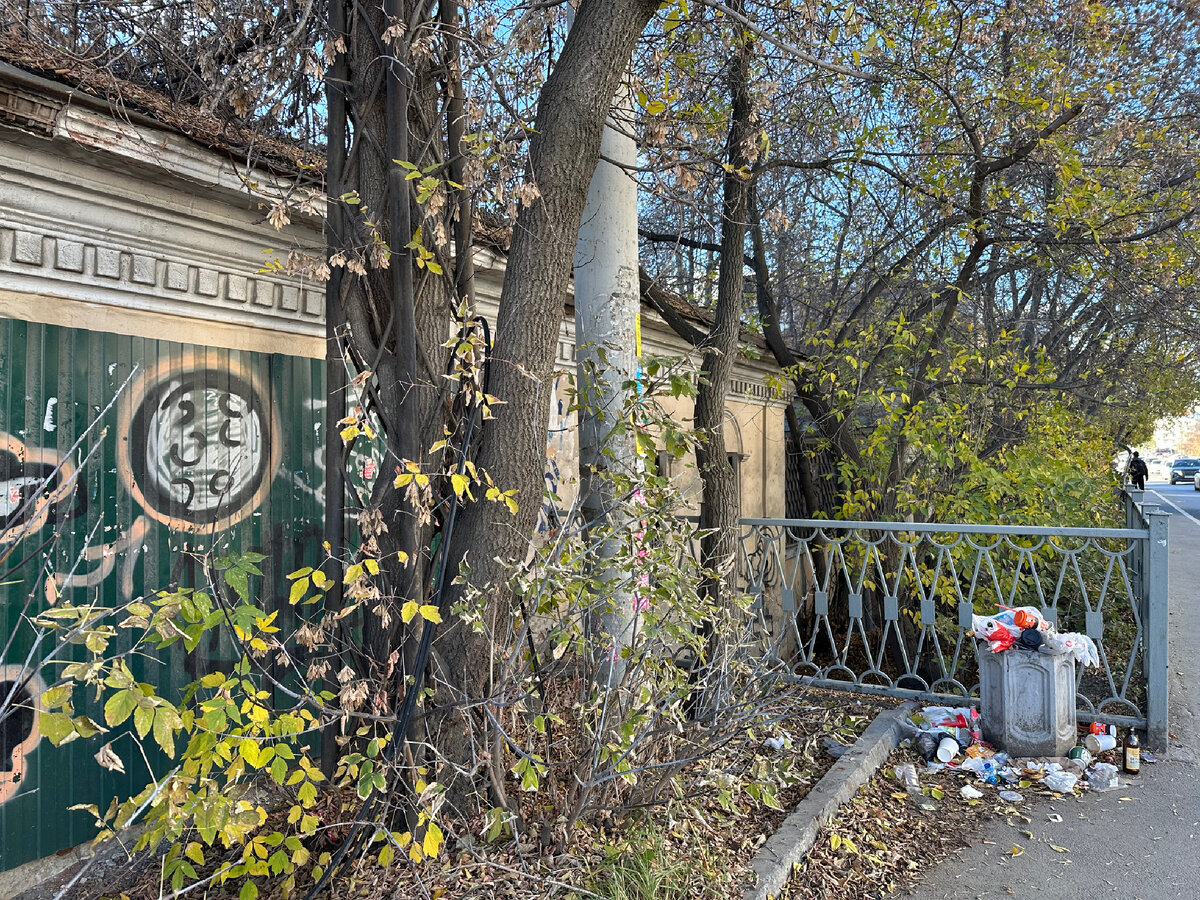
[(199, 445)]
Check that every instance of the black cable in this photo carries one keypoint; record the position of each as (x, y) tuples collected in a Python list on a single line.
[(358, 837)]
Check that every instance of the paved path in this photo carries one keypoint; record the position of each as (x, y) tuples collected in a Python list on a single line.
[(1140, 842)]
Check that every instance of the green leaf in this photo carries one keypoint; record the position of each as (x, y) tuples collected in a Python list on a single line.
[(86, 728), (57, 696), (250, 752), (143, 720), (164, 734), (238, 580), (119, 707), (249, 891), (56, 727)]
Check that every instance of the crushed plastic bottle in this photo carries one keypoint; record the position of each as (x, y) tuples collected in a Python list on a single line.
[(906, 774), (1103, 777), (1060, 782)]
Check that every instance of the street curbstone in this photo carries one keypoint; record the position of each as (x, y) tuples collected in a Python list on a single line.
[(787, 847)]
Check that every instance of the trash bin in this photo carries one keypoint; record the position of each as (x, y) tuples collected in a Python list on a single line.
[(1027, 701)]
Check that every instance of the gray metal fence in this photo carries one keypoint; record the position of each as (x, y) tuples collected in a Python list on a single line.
[(886, 607)]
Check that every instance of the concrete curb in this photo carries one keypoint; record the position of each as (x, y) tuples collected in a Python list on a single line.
[(104, 863), (787, 847)]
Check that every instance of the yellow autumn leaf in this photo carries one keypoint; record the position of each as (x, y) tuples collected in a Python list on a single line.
[(433, 840), (430, 613), (409, 610)]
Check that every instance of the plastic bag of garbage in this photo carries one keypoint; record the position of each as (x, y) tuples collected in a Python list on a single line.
[(985, 769), (1060, 782), (974, 764), (906, 774), (1082, 647), (1103, 777)]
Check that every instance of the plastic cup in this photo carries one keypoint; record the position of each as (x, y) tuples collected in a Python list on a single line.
[(947, 749), (1098, 743)]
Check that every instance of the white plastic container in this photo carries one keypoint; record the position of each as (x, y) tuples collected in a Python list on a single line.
[(1027, 701)]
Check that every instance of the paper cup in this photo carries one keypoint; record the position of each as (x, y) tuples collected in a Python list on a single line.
[(1098, 743), (947, 749)]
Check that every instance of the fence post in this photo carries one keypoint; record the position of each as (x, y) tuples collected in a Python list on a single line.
[(1155, 625), (1133, 519)]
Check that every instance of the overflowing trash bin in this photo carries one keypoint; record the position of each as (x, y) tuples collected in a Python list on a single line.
[(1027, 702), (1023, 735), (1027, 681)]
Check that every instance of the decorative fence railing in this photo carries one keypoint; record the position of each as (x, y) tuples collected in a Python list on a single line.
[(886, 607)]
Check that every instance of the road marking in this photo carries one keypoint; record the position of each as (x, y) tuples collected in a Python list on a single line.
[(1186, 515)]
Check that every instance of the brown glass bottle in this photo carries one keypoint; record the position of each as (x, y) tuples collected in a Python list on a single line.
[(1131, 753)]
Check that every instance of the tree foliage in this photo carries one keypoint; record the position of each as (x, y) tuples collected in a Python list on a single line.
[(996, 218)]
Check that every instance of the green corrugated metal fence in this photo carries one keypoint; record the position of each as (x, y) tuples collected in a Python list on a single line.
[(203, 447)]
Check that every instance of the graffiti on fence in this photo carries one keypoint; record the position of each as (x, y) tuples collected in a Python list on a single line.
[(24, 473), (19, 734), (98, 563), (198, 445)]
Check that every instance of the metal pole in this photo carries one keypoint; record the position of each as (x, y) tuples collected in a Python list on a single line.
[(1155, 625), (1133, 519), (607, 298)]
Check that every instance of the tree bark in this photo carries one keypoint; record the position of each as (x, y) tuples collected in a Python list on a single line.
[(564, 150), (720, 508)]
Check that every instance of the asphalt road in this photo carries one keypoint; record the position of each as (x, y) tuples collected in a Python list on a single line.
[(1141, 841)]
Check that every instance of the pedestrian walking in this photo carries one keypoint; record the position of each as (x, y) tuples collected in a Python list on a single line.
[(1138, 471)]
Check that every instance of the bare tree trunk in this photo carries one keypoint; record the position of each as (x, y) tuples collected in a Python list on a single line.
[(563, 153), (335, 376), (720, 509), (390, 311)]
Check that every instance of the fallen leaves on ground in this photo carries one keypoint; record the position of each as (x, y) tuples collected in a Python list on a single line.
[(703, 839)]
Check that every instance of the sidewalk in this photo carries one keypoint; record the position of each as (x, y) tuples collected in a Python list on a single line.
[(1139, 841)]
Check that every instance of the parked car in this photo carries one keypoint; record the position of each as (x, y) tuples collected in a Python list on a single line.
[(1184, 468)]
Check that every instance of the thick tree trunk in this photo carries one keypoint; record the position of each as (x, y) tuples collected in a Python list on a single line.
[(398, 316), (563, 153)]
